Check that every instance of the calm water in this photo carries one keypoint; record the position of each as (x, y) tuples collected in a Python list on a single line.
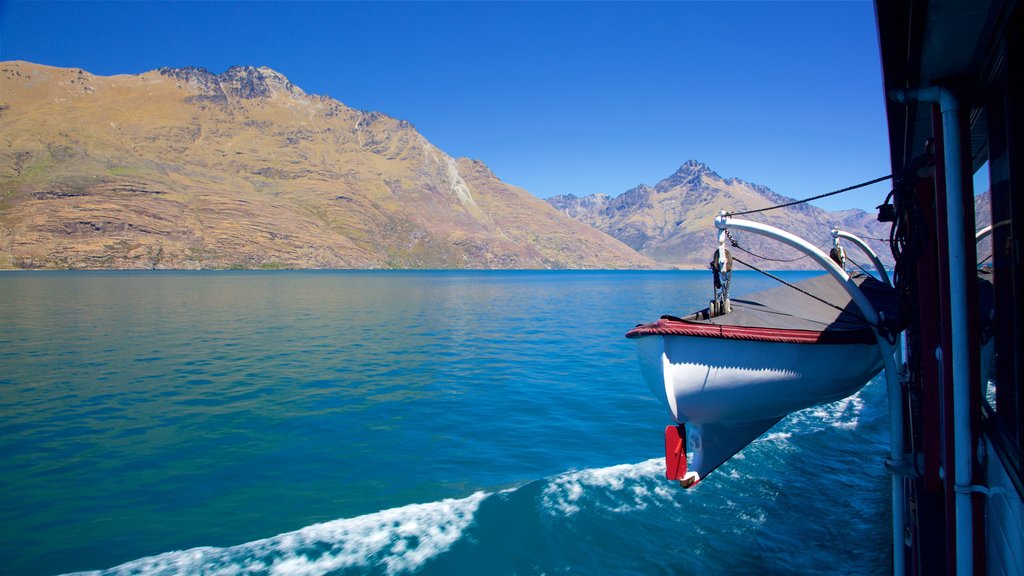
[(394, 422)]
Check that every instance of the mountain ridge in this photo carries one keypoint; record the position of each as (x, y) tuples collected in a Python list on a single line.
[(184, 168), (673, 221)]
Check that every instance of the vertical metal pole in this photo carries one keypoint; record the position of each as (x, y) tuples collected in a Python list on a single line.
[(963, 475)]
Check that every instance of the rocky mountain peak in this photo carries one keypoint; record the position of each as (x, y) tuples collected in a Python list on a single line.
[(688, 174), (240, 82), (639, 190), (199, 77), (250, 82), (672, 222), (693, 167)]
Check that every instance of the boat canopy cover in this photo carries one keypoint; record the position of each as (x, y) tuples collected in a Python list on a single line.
[(783, 314)]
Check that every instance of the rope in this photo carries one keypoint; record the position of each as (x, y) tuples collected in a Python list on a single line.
[(818, 197), (767, 258), (737, 246), (799, 289), (854, 262)]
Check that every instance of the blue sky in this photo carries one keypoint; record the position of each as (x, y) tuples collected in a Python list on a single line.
[(572, 97)]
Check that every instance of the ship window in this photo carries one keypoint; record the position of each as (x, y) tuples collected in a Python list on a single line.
[(983, 220), (1002, 395)]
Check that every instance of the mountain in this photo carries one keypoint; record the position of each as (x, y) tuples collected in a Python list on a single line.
[(983, 218), (183, 168), (673, 221)]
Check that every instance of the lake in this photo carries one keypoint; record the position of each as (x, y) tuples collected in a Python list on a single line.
[(392, 423)]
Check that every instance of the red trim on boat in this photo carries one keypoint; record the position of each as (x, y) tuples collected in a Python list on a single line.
[(666, 327)]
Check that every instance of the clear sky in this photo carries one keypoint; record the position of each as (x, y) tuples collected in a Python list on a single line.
[(571, 97)]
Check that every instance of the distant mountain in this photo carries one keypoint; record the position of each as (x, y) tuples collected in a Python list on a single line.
[(673, 221), (983, 218), (183, 168)]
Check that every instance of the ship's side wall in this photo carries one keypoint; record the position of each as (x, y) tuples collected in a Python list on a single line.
[(1004, 516), (982, 75)]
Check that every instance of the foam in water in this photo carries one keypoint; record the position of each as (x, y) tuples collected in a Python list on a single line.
[(403, 540), (775, 436), (397, 540), (843, 414), (563, 494)]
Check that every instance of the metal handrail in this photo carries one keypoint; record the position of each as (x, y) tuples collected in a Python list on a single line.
[(837, 233)]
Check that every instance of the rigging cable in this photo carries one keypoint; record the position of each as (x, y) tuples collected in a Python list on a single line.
[(882, 327), (818, 197), (737, 246), (801, 290), (854, 262)]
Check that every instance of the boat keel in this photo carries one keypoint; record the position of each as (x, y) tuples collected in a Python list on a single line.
[(711, 444)]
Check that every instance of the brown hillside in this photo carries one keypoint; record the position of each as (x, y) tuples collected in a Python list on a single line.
[(181, 168)]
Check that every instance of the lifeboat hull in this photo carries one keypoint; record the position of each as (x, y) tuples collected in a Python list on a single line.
[(727, 379), (703, 380), (727, 392)]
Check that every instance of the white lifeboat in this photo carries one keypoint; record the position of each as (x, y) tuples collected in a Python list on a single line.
[(726, 379)]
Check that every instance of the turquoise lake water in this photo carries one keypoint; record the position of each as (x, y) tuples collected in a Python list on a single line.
[(393, 423)]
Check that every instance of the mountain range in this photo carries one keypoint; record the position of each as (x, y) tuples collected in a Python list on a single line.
[(673, 221), (184, 168)]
